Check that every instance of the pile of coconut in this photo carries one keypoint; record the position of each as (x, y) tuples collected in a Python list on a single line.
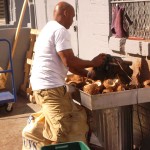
[(93, 87)]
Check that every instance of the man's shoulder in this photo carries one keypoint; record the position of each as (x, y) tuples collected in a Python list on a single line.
[(55, 25)]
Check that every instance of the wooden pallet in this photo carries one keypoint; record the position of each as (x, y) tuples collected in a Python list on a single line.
[(25, 88)]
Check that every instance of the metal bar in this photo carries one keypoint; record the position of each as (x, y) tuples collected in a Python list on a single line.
[(129, 1), (11, 68), (5, 71)]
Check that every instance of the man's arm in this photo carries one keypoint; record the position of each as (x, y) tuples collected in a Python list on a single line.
[(81, 72), (71, 61), (77, 65)]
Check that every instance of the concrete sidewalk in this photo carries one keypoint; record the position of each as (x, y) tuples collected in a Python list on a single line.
[(12, 123)]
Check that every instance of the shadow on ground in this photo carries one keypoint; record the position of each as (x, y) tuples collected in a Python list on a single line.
[(21, 106)]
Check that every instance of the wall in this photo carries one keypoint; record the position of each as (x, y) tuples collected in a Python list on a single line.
[(8, 31), (15, 7), (93, 25), (19, 55)]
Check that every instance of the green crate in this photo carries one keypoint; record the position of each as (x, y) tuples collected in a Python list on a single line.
[(67, 146)]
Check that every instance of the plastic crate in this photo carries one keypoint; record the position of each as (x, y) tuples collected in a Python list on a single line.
[(67, 146)]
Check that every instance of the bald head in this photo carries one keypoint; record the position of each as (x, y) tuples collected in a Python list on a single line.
[(61, 6), (64, 13)]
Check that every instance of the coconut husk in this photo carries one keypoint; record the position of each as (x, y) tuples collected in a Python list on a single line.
[(146, 83), (91, 89), (109, 84), (76, 81), (107, 90), (120, 87), (74, 78), (2, 80)]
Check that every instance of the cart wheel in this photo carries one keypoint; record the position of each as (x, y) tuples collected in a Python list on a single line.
[(9, 107)]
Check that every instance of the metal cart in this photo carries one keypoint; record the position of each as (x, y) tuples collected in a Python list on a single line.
[(8, 97)]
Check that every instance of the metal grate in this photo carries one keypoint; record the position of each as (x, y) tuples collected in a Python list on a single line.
[(2, 12), (139, 13)]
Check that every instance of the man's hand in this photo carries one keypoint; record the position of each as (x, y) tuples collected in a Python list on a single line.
[(99, 60), (91, 74)]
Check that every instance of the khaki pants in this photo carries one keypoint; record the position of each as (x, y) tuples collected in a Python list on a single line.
[(65, 121), (32, 134)]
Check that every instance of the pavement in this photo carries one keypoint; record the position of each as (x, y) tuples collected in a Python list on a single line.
[(12, 123)]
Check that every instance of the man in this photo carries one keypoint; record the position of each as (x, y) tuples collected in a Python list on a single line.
[(52, 60)]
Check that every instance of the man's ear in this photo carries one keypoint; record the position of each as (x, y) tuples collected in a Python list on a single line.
[(65, 13)]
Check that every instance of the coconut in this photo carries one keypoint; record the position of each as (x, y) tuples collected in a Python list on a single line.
[(120, 87), (107, 90), (109, 84), (91, 89), (146, 83)]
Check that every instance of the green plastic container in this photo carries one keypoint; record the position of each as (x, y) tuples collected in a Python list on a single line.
[(67, 146)]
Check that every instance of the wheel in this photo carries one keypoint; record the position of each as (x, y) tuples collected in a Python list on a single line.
[(9, 107)]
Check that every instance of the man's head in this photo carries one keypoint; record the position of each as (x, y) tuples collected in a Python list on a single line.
[(64, 13)]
